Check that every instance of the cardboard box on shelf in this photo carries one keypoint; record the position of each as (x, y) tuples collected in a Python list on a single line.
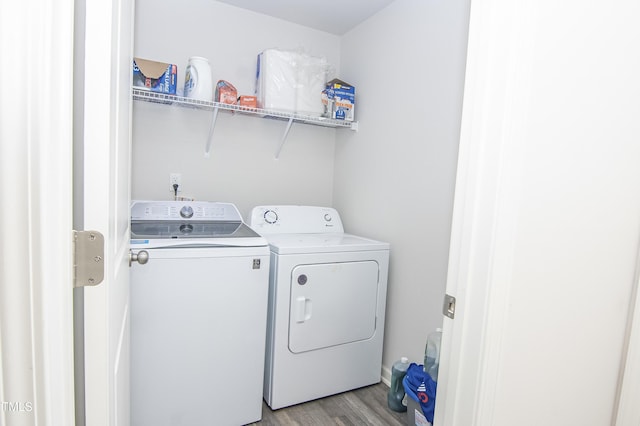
[(247, 101), (226, 93), (155, 76), (339, 100)]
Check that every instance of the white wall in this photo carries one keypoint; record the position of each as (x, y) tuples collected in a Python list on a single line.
[(394, 179), (242, 168)]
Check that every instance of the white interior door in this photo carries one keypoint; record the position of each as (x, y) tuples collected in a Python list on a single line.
[(107, 115), (547, 218), (628, 409)]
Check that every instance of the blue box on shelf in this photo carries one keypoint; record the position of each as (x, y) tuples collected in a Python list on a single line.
[(339, 99), (155, 76)]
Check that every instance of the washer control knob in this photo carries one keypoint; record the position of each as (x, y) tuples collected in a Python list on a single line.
[(186, 228), (270, 216), (186, 212), (327, 217)]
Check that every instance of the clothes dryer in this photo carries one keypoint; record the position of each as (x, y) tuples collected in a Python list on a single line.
[(326, 310)]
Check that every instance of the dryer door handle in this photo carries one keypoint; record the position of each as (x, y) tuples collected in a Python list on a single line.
[(303, 309)]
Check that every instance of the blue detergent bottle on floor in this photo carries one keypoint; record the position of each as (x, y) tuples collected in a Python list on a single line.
[(396, 390)]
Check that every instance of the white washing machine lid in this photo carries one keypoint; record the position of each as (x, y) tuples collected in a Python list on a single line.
[(322, 243)]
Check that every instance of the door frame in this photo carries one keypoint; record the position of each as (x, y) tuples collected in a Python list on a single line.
[(36, 112)]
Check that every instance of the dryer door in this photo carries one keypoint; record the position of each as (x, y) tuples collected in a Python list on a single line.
[(332, 304)]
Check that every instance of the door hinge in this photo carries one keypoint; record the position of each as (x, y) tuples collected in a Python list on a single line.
[(449, 306), (88, 258)]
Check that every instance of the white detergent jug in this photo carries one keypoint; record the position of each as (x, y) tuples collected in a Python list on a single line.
[(198, 83)]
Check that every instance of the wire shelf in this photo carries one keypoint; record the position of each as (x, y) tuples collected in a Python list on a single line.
[(146, 95)]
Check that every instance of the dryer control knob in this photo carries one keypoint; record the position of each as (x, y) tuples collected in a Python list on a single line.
[(270, 216), (186, 212), (327, 217)]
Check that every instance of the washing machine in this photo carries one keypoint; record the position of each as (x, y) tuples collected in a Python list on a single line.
[(326, 310), (198, 315)]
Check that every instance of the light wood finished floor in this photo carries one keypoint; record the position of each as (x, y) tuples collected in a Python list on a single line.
[(366, 406)]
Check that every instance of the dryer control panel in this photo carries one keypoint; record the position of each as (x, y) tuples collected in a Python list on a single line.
[(289, 219)]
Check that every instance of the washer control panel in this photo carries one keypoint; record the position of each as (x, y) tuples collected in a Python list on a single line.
[(185, 210), (289, 219)]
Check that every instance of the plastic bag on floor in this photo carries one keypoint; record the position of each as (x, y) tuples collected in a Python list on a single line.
[(420, 387)]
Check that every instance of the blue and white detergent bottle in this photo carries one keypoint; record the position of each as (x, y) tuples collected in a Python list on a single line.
[(198, 83), (396, 390)]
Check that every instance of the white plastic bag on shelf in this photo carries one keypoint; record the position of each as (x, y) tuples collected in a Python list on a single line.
[(291, 81), (312, 76)]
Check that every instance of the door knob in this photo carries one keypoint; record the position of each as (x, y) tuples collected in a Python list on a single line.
[(141, 257)]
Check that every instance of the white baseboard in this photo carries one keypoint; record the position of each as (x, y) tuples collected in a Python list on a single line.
[(386, 375)]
